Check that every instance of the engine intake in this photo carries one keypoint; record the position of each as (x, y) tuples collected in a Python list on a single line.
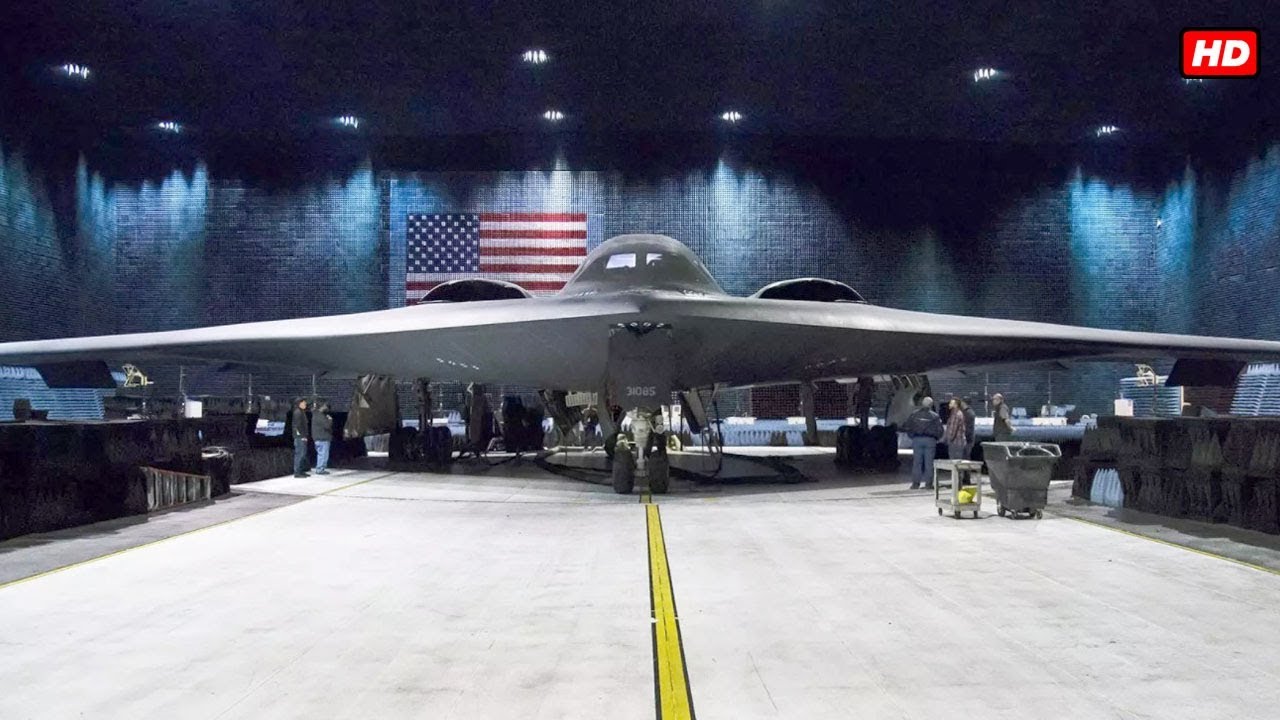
[(473, 290), (810, 289)]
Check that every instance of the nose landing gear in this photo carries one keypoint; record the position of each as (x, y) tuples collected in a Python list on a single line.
[(640, 379), (643, 455)]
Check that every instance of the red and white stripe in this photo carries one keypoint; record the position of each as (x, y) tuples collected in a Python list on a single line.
[(537, 251)]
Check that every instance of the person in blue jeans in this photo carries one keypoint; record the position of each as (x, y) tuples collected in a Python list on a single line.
[(300, 424), (924, 427), (322, 435)]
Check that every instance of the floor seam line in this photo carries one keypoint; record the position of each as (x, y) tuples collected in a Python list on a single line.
[(1170, 543)]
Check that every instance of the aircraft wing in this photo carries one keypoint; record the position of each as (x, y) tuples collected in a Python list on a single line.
[(749, 341), (544, 342), (562, 342)]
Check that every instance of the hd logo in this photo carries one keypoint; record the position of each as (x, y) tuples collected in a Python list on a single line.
[(1219, 52)]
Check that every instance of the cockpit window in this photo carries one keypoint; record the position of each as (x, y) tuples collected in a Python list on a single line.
[(621, 260), (646, 265)]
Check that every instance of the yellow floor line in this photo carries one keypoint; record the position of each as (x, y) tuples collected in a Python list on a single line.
[(351, 485), (672, 695), (645, 498), (1170, 543), (185, 533)]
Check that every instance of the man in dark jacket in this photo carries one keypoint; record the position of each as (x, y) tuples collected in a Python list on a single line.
[(924, 427), (299, 422), (322, 434)]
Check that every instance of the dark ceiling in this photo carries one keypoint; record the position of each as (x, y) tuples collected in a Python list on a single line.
[(792, 67)]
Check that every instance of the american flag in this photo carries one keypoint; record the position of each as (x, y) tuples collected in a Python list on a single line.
[(536, 250)]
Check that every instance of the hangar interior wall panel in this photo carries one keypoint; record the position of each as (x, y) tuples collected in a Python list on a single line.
[(1233, 254), (830, 399), (56, 250)]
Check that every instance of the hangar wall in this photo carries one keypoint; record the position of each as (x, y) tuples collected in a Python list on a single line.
[(977, 233), (198, 251), (56, 250), (1219, 249)]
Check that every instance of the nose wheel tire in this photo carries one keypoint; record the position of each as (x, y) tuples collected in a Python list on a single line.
[(624, 472), (659, 468)]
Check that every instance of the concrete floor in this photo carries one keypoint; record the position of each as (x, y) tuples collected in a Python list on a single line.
[(508, 592)]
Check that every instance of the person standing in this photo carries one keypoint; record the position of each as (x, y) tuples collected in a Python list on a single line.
[(1002, 420), (924, 427), (299, 422), (590, 424), (322, 434), (945, 409), (954, 434), (970, 423)]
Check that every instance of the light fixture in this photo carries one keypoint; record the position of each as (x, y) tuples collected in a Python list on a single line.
[(169, 126), (1104, 130), (1188, 81), (732, 117), (349, 121), (76, 71), (984, 74), (553, 115), (535, 56)]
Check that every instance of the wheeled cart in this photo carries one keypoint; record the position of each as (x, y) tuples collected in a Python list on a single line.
[(948, 483), (1020, 474)]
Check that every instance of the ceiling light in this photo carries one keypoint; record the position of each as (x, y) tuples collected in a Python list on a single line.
[(1188, 81), (74, 70), (1106, 130), (984, 74), (553, 115), (732, 116), (349, 121), (169, 126), (535, 57)]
